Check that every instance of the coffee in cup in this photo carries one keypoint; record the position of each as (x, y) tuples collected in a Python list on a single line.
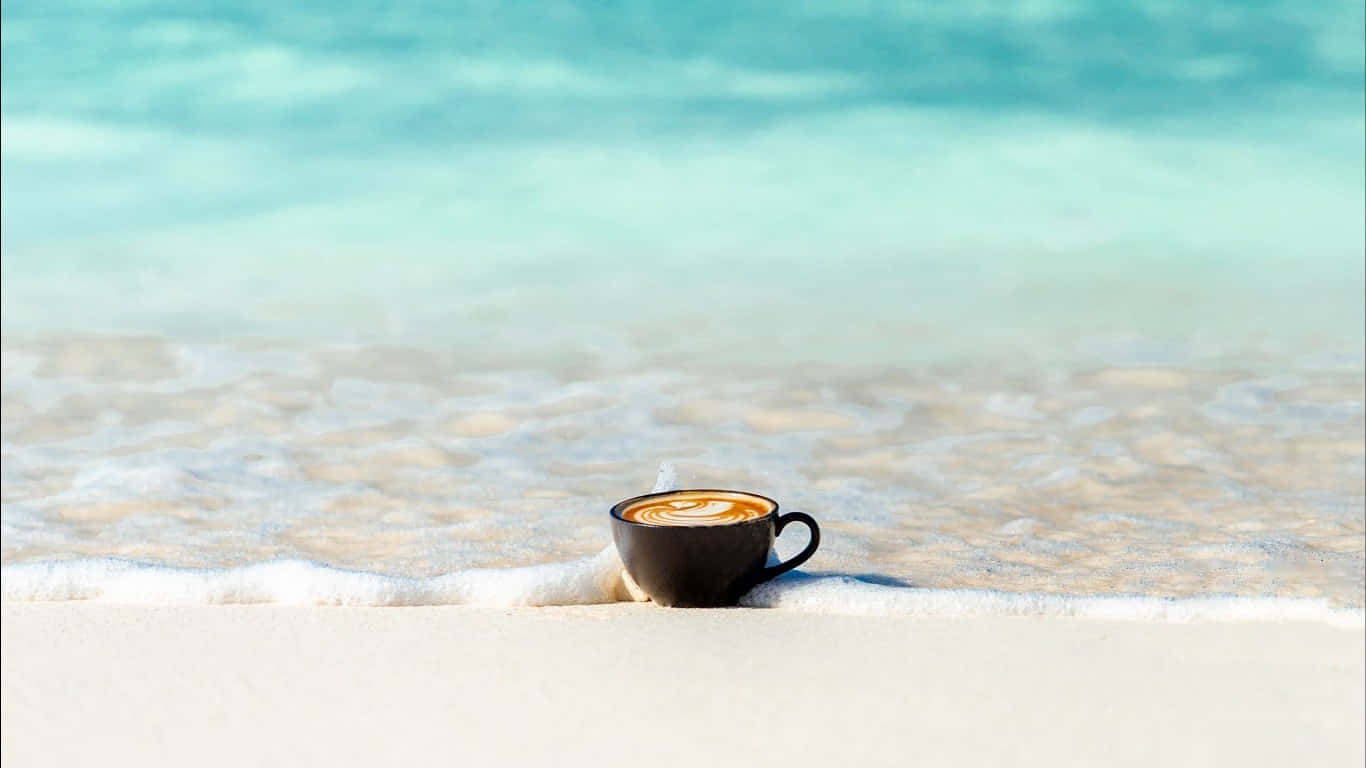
[(703, 548), (697, 508)]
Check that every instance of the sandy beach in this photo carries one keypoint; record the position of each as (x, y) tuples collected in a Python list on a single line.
[(635, 685)]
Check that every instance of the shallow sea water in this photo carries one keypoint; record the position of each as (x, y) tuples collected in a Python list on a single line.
[(1113, 480)]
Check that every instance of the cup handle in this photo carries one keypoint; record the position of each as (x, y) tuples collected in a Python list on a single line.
[(801, 557)]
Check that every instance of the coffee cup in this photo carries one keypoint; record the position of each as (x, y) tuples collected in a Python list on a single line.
[(703, 548)]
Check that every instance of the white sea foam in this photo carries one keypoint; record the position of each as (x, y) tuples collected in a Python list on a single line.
[(850, 596), (300, 582), (597, 580)]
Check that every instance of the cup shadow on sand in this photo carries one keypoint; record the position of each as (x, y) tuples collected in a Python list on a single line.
[(879, 579)]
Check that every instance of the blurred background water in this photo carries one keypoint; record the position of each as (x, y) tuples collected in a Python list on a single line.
[(820, 181)]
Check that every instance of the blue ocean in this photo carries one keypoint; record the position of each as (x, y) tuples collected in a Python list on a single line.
[(1047, 298)]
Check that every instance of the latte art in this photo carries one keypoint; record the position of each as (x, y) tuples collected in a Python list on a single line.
[(697, 508)]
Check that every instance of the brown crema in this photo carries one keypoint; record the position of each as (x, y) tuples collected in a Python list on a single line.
[(698, 508)]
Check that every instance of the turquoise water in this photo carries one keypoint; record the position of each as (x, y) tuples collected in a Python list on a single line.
[(865, 182)]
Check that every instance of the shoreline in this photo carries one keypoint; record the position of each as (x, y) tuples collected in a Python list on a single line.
[(589, 685), (1121, 480), (599, 580)]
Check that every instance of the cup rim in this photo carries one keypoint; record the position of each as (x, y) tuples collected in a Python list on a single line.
[(616, 508)]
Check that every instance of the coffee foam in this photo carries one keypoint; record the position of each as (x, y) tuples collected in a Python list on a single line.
[(698, 508)]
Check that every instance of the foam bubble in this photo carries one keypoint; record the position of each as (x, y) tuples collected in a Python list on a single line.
[(667, 479)]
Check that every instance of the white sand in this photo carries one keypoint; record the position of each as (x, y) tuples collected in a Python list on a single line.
[(639, 685)]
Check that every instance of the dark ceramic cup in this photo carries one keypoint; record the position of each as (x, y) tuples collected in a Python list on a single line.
[(703, 566)]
